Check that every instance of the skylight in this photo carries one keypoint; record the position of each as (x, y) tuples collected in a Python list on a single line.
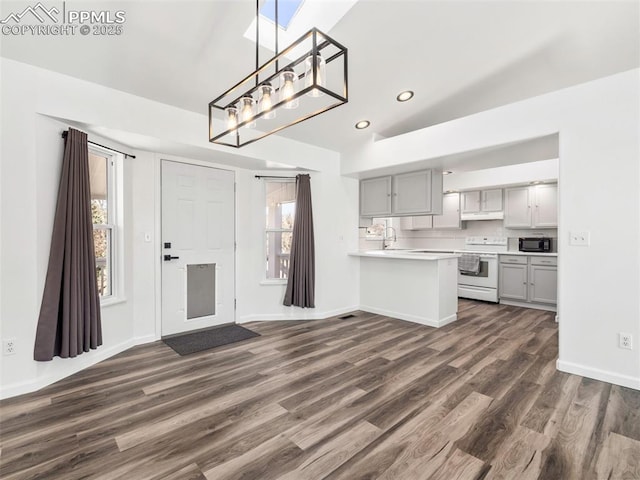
[(286, 11), (298, 16)]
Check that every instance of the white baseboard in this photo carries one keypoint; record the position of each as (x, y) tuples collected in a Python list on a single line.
[(146, 339), (297, 315), (536, 306), (100, 354), (411, 318), (597, 374)]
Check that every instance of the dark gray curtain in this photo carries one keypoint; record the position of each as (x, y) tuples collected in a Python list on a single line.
[(301, 284), (69, 321)]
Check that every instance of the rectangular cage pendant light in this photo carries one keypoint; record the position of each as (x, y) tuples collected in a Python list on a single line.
[(304, 80)]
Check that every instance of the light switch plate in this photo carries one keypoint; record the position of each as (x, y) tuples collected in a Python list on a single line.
[(579, 239)]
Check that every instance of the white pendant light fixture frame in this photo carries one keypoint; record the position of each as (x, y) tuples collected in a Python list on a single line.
[(314, 91)]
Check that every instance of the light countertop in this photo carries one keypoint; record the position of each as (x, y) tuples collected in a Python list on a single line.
[(531, 254), (404, 254)]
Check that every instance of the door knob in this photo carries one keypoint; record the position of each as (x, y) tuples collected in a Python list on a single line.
[(169, 257)]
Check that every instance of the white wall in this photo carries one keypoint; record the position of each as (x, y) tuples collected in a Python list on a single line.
[(33, 103), (502, 176), (598, 125), (28, 203)]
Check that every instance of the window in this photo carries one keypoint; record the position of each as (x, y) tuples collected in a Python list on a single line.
[(280, 212), (286, 11), (103, 214)]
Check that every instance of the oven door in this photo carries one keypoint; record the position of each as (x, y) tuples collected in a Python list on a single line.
[(486, 277)]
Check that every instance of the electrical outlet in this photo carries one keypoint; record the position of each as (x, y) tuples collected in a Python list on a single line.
[(579, 239), (626, 340), (9, 346)]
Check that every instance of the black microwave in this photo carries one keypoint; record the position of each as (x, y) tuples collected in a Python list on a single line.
[(534, 244)]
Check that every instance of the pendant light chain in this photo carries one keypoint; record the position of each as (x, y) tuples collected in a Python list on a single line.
[(276, 31)]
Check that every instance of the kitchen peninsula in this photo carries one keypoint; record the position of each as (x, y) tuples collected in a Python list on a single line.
[(413, 285)]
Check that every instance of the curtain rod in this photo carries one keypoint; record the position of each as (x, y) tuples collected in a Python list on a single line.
[(271, 176), (64, 135)]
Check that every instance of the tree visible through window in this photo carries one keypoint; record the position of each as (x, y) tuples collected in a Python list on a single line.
[(280, 214), (102, 213)]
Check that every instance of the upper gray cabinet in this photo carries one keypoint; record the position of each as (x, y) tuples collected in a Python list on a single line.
[(375, 197), (482, 201), (531, 207), (413, 193)]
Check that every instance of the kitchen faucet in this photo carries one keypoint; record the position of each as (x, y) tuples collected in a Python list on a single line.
[(394, 238)]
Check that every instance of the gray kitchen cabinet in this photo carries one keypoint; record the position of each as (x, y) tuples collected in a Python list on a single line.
[(533, 206), (529, 281), (423, 222), (470, 201), (413, 193), (517, 211), (543, 284), (491, 200), (375, 197), (481, 201), (513, 282), (450, 218), (545, 211)]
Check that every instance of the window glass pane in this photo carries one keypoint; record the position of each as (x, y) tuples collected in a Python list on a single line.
[(286, 11), (278, 252), (98, 182), (102, 247), (281, 206)]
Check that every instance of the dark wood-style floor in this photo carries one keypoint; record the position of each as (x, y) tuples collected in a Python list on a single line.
[(363, 398)]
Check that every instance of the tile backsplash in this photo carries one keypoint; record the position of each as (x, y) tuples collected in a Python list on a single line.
[(454, 239)]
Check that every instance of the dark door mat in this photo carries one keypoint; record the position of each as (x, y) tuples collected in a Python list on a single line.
[(205, 339)]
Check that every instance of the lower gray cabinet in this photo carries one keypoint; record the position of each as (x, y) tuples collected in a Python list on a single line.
[(529, 281), (543, 284), (513, 281)]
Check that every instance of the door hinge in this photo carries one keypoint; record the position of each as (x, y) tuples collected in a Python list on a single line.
[(235, 303)]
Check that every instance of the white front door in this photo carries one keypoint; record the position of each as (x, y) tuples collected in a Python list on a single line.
[(198, 237)]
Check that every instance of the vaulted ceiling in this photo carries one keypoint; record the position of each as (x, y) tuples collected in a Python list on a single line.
[(460, 57)]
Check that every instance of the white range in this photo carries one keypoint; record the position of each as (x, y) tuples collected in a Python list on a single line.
[(484, 284)]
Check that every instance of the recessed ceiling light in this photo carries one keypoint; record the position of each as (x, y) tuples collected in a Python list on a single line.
[(404, 96), (447, 172), (362, 124)]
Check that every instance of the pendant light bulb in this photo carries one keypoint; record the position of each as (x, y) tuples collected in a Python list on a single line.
[(288, 79), (247, 110), (321, 74), (231, 115), (265, 101)]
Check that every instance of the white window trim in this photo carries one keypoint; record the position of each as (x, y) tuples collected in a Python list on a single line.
[(265, 280), (115, 207)]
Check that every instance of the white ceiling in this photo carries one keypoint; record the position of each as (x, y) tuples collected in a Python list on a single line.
[(460, 57)]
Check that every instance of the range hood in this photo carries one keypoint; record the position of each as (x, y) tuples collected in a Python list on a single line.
[(482, 216)]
